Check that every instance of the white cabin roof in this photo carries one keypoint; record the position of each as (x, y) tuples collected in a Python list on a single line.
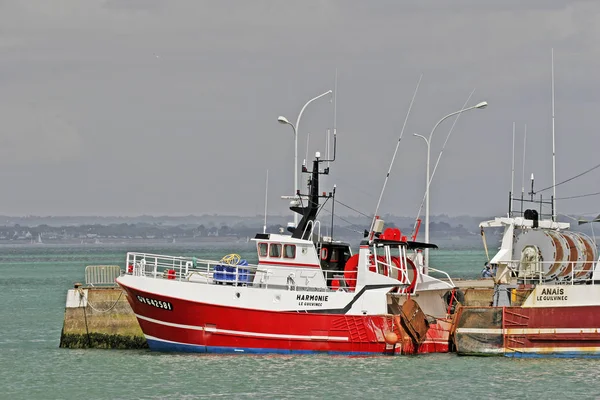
[(276, 237), (520, 222)]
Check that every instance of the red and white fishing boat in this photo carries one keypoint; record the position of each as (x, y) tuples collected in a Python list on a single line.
[(546, 300), (307, 294)]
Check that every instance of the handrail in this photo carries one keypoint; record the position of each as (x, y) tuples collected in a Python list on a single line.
[(444, 273), (538, 275)]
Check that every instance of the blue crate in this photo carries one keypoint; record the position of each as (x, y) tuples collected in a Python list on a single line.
[(227, 273)]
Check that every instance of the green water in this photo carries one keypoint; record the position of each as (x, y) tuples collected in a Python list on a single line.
[(33, 285)]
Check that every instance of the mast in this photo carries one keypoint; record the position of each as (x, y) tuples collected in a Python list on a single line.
[(309, 212), (387, 176), (523, 176), (553, 149), (266, 198), (512, 176), (334, 114)]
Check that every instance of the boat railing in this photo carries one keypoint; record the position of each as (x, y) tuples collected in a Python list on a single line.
[(191, 269), (310, 228), (439, 271), (401, 273), (553, 272)]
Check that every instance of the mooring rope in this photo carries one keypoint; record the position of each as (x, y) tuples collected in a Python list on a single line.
[(82, 295)]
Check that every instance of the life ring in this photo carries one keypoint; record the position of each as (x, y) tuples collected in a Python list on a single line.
[(373, 266), (412, 274), (351, 272)]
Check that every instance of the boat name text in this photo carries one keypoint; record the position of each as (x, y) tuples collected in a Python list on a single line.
[(552, 294), (165, 305), (311, 300)]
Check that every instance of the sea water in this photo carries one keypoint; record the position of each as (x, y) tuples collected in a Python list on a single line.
[(33, 284)]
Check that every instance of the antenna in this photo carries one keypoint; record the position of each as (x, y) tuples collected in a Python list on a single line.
[(512, 177), (328, 145), (332, 210), (335, 103), (553, 149), (524, 147), (532, 193), (307, 140), (266, 197), (334, 114), (395, 152)]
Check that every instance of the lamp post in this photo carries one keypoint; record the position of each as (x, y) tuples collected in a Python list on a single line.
[(481, 105), (283, 120)]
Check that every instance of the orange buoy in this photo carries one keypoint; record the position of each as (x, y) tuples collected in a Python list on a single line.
[(391, 338)]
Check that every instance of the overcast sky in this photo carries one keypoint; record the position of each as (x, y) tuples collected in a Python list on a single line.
[(130, 107)]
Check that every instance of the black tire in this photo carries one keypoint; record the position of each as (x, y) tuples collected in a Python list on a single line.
[(459, 297)]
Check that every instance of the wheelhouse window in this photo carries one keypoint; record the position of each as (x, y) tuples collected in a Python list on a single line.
[(324, 253), (263, 249), (289, 251), (334, 255), (275, 250)]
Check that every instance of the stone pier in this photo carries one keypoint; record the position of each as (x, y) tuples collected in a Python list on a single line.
[(100, 317)]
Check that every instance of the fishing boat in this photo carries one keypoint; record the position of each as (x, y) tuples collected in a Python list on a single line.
[(308, 293), (546, 300)]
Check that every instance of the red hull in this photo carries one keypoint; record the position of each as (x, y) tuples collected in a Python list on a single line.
[(552, 330), (529, 331), (200, 327)]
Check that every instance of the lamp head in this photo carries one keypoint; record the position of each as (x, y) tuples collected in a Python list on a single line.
[(482, 105), (283, 120)]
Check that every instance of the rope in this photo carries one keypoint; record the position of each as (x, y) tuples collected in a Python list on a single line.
[(577, 197), (346, 221), (487, 255), (356, 211), (83, 296), (231, 259), (570, 179), (87, 331)]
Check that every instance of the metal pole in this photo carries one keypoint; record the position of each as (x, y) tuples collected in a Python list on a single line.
[(512, 175), (266, 201), (553, 149), (426, 266), (296, 130), (480, 105)]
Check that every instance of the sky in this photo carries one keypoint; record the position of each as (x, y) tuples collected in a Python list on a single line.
[(131, 107)]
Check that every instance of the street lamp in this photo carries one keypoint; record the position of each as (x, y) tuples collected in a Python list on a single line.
[(481, 105), (283, 120)]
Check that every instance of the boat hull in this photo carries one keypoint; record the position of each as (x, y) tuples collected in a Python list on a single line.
[(184, 325), (529, 331)]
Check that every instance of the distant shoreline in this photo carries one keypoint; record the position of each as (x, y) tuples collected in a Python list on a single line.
[(113, 241)]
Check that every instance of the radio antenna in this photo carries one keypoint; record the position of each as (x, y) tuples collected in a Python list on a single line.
[(512, 177), (266, 200), (553, 149), (395, 152)]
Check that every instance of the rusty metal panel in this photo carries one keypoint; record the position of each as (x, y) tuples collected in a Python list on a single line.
[(478, 331), (414, 320)]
